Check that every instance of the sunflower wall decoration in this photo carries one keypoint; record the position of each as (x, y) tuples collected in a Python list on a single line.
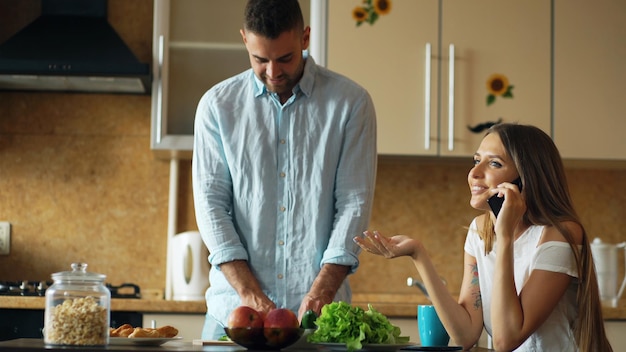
[(370, 11), (498, 85)]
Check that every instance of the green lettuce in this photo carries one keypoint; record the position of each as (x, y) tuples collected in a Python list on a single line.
[(342, 323)]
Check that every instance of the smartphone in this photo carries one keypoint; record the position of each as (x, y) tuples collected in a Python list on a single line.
[(495, 202)]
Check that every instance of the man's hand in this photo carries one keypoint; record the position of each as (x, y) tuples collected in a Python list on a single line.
[(324, 288), (240, 277), (314, 303), (262, 304)]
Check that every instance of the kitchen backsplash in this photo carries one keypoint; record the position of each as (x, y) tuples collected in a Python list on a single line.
[(78, 182)]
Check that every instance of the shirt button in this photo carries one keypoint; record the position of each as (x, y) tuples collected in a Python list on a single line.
[(282, 208), (280, 276), (282, 141), (282, 174), (281, 242)]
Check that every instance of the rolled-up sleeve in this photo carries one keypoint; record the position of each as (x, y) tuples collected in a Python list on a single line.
[(213, 189), (354, 184)]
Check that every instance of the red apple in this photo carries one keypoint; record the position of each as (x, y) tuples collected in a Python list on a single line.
[(281, 318), (245, 317), (281, 326)]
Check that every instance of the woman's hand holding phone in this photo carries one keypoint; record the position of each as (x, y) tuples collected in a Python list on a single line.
[(496, 202), (506, 221)]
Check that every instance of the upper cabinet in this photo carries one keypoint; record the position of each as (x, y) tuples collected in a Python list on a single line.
[(427, 64), (589, 78), (196, 45)]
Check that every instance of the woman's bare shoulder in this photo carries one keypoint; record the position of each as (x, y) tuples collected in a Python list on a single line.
[(551, 233)]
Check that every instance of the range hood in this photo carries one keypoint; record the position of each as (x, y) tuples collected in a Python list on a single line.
[(71, 47)]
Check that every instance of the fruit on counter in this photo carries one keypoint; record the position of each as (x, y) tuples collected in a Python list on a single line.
[(245, 324), (245, 317), (308, 320), (279, 325), (278, 329), (342, 323), (281, 318)]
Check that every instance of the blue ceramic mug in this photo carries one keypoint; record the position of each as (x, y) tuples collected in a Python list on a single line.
[(431, 330)]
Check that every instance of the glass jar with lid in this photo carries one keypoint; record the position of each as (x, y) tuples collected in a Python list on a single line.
[(78, 308)]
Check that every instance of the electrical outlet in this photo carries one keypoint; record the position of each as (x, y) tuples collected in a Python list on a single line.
[(5, 238)]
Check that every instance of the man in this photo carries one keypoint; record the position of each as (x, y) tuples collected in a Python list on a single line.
[(284, 168)]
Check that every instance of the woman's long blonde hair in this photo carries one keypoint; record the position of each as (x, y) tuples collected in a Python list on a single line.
[(548, 203)]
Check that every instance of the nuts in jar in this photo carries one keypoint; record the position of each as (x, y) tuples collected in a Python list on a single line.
[(77, 308), (78, 321)]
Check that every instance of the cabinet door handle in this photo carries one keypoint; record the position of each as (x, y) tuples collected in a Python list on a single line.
[(159, 105), (427, 78), (319, 31), (451, 99)]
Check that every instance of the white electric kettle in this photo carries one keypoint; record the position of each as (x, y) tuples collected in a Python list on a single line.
[(605, 257), (190, 267)]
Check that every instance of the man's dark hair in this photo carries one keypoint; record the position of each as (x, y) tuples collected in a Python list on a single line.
[(270, 18)]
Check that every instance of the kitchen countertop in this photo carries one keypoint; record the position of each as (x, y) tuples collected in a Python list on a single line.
[(117, 304), (391, 305), (404, 305), (36, 345)]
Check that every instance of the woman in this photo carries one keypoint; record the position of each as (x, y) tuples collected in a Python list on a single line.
[(529, 277)]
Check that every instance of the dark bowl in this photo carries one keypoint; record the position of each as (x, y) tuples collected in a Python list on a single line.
[(264, 338)]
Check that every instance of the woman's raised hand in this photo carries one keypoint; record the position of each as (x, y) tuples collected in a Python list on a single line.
[(388, 247)]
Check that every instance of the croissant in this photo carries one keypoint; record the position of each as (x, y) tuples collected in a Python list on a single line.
[(167, 331), (145, 332), (128, 330), (122, 331)]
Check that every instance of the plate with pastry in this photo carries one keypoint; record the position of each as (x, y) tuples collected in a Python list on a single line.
[(128, 335), (141, 341)]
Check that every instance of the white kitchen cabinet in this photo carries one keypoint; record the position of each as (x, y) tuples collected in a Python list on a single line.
[(196, 44), (615, 332), (589, 78), (426, 64), (189, 325)]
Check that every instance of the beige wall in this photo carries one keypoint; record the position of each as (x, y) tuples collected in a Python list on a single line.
[(78, 182)]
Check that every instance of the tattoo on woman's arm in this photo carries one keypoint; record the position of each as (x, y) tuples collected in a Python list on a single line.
[(478, 302)]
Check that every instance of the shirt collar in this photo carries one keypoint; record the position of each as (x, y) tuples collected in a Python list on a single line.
[(308, 76)]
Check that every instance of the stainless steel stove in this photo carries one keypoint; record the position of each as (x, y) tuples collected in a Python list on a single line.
[(23, 288), (38, 288)]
